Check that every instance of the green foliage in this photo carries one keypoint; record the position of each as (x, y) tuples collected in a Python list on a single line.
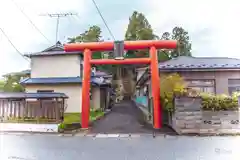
[(184, 45), (219, 102), (139, 29), (2, 84), (171, 85), (12, 84), (93, 34)]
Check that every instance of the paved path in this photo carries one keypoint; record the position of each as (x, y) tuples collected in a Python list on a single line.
[(125, 117), (29, 147)]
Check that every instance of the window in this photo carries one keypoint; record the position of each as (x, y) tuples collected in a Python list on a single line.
[(233, 85), (207, 86)]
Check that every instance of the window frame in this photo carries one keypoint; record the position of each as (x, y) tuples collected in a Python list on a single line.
[(202, 85), (233, 85)]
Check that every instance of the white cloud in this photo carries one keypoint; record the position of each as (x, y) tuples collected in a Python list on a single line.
[(22, 33), (216, 17)]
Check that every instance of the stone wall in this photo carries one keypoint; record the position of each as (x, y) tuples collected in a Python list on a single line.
[(189, 118)]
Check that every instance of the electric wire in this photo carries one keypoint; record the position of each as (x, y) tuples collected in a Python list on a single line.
[(29, 19), (9, 40), (104, 21)]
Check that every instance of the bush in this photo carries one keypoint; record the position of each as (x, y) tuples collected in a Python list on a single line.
[(171, 85), (219, 102), (174, 85)]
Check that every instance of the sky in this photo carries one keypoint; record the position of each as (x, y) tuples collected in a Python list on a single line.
[(212, 24)]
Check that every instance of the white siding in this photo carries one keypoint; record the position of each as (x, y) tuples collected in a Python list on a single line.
[(73, 91), (55, 66)]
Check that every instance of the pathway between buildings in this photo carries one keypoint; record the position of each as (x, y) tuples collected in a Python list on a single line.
[(125, 118)]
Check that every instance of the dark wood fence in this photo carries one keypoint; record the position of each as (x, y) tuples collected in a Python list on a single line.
[(37, 111)]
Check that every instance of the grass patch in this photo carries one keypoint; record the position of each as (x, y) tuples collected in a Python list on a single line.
[(70, 118)]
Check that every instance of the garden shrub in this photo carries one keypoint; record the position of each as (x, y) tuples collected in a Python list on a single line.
[(219, 102), (173, 85)]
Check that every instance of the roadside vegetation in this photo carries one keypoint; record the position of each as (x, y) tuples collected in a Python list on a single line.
[(173, 85)]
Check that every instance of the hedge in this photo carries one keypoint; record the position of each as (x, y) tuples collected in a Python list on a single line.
[(209, 102)]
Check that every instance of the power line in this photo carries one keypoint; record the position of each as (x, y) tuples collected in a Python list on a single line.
[(104, 21), (13, 44), (21, 10), (58, 16)]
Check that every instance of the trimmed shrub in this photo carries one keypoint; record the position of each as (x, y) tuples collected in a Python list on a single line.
[(173, 85), (219, 102)]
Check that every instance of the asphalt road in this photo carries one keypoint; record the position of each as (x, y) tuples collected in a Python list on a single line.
[(49, 147)]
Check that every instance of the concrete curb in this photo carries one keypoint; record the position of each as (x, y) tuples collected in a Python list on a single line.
[(82, 134)]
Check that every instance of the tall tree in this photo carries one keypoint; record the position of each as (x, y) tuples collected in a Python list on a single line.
[(93, 34), (184, 44), (12, 84), (139, 29), (2, 84)]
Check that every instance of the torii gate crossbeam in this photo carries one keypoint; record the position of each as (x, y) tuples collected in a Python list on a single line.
[(87, 49)]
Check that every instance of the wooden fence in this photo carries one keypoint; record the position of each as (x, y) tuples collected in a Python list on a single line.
[(38, 111)]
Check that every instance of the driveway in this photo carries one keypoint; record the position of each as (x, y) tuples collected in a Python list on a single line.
[(125, 118)]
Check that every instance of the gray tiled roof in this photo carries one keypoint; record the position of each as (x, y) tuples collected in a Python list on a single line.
[(51, 53), (20, 95), (56, 49), (184, 62), (58, 80)]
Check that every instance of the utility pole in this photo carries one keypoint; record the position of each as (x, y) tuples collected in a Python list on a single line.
[(58, 16)]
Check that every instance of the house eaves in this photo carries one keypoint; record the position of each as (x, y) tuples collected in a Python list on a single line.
[(54, 50), (200, 63), (58, 80), (195, 64), (52, 53)]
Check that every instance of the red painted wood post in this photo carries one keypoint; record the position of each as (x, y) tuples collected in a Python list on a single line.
[(86, 87), (157, 112)]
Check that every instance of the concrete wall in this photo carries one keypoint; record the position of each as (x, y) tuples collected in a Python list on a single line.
[(189, 118), (55, 66), (73, 91)]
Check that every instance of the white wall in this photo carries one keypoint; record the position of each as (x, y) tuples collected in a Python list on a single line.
[(55, 66), (73, 91), (96, 101)]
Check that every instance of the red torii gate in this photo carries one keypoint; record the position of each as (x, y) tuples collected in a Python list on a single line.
[(87, 49)]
